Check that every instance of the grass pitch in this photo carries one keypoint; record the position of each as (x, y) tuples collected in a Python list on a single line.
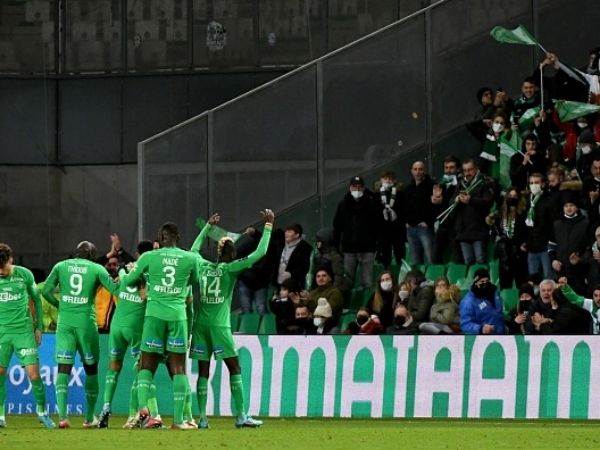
[(24, 432)]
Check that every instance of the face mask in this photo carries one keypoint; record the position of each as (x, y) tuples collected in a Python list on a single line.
[(318, 321), (586, 149), (361, 320), (403, 295), (356, 194), (512, 201), (497, 127), (484, 290), (283, 299), (399, 320), (535, 189), (582, 125), (386, 286), (386, 185)]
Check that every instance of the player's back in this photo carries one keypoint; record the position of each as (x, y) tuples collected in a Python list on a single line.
[(170, 272), (131, 307), (14, 301), (217, 282)]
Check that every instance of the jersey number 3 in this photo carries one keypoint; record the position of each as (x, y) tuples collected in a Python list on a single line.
[(169, 279)]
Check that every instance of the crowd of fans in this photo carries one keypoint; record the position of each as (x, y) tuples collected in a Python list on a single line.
[(538, 213)]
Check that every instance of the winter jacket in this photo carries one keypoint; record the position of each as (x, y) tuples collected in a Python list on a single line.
[(411, 328), (443, 312), (356, 224), (470, 222), (285, 313), (476, 312), (542, 230), (520, 173), (570, 235), (333, 297), (259, 275), (567, 319), (328, 256), (299, 261), (419, 302), (417, 202)]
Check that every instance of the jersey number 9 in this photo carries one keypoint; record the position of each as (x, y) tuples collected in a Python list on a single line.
[(76, 282)]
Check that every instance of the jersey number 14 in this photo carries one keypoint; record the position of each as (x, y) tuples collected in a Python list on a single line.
[(212, 287)]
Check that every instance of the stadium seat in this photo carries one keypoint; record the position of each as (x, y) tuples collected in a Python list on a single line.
[(377, 269), (249, 323), (360, 298), (434, 271), (510, 300), (456, 272), (495, 272), (235, 321), (403, 269), (421, 267), (347, 319), (267, 324), (466, 283)]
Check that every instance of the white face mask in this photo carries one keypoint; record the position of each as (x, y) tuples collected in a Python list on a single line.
[(497, 127), (535, 188), (386, 185), (582, 124), (403, 295), (356, 194), (318, 321), (386, 286), (586, 149)]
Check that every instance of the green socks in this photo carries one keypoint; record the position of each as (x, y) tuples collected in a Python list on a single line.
[(179, 394), (2, 394), (62, 380), (133, 398), (202, 394), (112, 377), (144, 382), (152, 403), (187, 407), (237, 393), (91, 396), (39, 394)]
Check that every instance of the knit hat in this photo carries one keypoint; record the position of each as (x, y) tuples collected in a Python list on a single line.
[(323, 308), (480, 273), (482, 91), (568, 196), (526, 288), (357, 181), (586, 137)]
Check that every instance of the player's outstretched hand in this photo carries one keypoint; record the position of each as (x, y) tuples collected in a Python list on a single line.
[(268, 216), (214, 219)]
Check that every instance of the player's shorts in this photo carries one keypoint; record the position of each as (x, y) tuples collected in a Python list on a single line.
[(207, 341), (22, 344), (122, 337), (160, 336), (83, 339)]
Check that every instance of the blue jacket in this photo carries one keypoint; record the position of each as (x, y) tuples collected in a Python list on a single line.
[(476, 312)]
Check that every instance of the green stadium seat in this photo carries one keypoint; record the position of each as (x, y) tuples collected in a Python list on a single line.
[(360, 298), (235, 321), (434, 271), (468, 280), (421, 267), (347, 318), (377, 269), (403, 269), (456, 272), (267, 324), (495, 271), (249, 323), (510, 300)]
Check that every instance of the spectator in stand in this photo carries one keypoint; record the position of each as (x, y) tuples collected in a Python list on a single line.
[(440, 198), (591, 305), (555, 315), (529, 98), (112, 267), (393, 230), (284, 305), (491, 104), (418, 212), (253, 282), (568, 248), (403, 322), (481, 308), (420, 295), (473, 202), (556, 178), (489, 158), (587, 152), (385, 297), (116, 251), (539, 220), (303, 324), (294, 256), (593, 65), (327, 255), (443, 315), (510, 232), (356, 228), (522, 167), (325, 302), (517, 318), (591, 193), (365, 323), (594, 260)]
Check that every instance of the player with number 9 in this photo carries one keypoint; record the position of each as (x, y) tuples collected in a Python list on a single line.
[(78, 280)]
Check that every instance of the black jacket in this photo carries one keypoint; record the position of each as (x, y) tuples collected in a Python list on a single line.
[(417, 202), (520, 173), (470, 222), (590, 184), (260, 274), (299, 262), (570, 235), (541, 232), (567, 319), (356, 224)]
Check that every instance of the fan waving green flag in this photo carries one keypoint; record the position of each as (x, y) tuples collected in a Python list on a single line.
[(568, 110), (510, 143), (519, 35)]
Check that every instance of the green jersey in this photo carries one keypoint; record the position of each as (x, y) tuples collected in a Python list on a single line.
[(131, 307), (217, 280), (170, 272), (78, 280), (15, 291)]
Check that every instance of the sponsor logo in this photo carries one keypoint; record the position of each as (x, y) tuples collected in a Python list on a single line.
[(28, 352), (154, 343), (65, 354), (174, 342), (74, 299), (8, 297)]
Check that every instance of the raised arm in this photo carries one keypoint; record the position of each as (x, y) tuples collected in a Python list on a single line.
[(199, 241), (50, 285), (576, 299), (261, 249)]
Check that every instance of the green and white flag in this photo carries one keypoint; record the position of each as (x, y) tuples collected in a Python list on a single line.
[(510, 143), (569, 110), (216, 232), (526, 120), (519, 35)]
